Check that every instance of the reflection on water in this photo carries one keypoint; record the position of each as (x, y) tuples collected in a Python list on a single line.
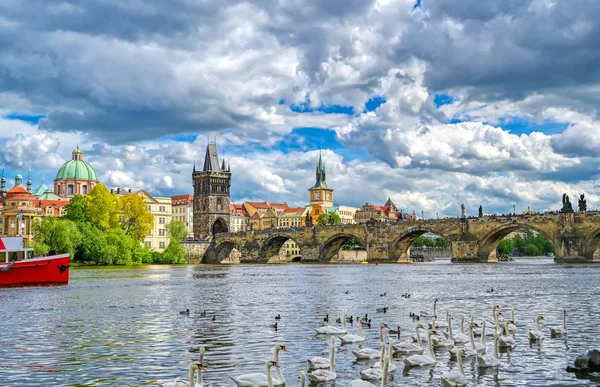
[(122, 327)]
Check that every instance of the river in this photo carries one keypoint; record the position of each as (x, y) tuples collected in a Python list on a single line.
[(122, 327)]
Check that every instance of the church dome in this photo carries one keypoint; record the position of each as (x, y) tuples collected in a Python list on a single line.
[(76, 169)]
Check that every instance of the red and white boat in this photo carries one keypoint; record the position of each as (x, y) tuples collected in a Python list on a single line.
[(18, 266)]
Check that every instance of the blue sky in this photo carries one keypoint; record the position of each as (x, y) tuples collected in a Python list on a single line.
[(430, 103)]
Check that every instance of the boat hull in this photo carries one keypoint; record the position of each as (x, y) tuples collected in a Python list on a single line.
[(52, 270)]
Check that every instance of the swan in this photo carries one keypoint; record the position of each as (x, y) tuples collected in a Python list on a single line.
[(302, 378), (461, 337), (480, 331), (455, 378), (558, 331), (440, 341), (512, 326), (422, 360), (256, 379), (317, 362), (439, 324), (406, 348), (280, 380), (481, 347), (322, 375), (391, 366), (331, 330), (536, 334), (363, 383), (490, 361), (369, 353), (180, 383), (506, 341), (467, 351), (424, 313), (349, 339)]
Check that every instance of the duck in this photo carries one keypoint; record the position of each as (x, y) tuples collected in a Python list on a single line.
[(490, 360), (324, 375), (406, 348), (455, 378), (383, 295), (256, 379), (273, 326), (422, 360), (350, 338), (326, 319), (506, 341), (317, 362), (278, 317), (185, 312), (382, 310), (203, 314), (194, 366), (369, 353), (560, 331), (331, 330), (536, 334), (395, 331)]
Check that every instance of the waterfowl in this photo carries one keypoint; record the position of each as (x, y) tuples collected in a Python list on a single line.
[(392, 366), (186, 312), (278, 317), (324, 375), (363, 383), (318, 362), (536, 334), (506, 341), (256, 379), (490, 361), (302, 378), (406, 348), (350, 338), (455, 378), (560, 331), (369, 353), (422, 360), (331, 330)]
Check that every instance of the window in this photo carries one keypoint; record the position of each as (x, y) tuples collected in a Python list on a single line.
[(161, 208), (161, 245), (58, 190), (161, 232), (161, 220), (149, 208), (70, 189), (84, 189), (149, 244)]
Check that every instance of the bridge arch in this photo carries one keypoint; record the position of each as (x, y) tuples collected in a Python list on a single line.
[(489, 243), (332, 246), (399, 248), (219, 226), (219, 251), (592, 244), (271, 249)]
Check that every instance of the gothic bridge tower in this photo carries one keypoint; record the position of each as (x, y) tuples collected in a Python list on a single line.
[(211, 195)]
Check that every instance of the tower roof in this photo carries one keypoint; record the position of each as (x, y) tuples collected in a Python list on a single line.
[(321, 175), (211, 159), (76, 168), (391, 204)]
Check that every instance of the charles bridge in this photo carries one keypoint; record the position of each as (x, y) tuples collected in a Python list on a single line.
[(575, 237)]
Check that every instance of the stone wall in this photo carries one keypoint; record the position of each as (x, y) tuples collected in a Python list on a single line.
[(195, 251), (350, 256)]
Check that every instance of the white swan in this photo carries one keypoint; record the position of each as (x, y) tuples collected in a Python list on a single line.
[(279, 380), (558, 331), (440, 341), (349, 339), (256, 379), (455, 378), (480, 331), (384, 372), (370, 353), (422, 360), (512, 325), (461, 337), (467, 351), (481, 347), (406, 348), (536, 334), (331, 330), (319, 363), (506, 341), (391, 366), (322, 375), (490, 361), (302, 378), (426, 314), (192, 383), (439, 324)]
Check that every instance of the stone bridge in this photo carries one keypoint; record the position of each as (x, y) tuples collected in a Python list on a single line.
[(575, 236)]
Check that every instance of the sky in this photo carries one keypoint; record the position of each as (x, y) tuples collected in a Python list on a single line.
[(431, 103)]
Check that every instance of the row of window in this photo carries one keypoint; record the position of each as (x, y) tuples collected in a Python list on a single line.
[(71, 189), (160, 244)]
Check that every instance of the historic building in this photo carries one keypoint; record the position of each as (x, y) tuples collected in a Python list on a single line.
[(183, 211), (211, 195), (19, 211), (75, 177), (386, 213), (238, 218), (320, 193)]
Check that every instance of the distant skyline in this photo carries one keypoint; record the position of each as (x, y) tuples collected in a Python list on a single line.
[(431, 103)]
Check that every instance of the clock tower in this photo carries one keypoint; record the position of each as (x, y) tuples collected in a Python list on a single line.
[(320, 193)]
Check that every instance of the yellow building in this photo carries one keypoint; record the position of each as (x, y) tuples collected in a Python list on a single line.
[(314, 212), (19, 213), (320, 193)]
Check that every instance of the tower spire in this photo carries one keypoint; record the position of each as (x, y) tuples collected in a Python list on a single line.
[(29, 183), (2, 182)]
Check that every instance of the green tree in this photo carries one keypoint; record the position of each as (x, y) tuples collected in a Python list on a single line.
[(353, 244), (60, 235), (75, 210), (175, 251), (102, 208), (135, 219), (93, 245), (506, 246), (531, 250), (323, 219), (328, 218)]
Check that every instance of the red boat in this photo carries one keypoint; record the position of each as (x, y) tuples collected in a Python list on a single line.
[(18, 266)]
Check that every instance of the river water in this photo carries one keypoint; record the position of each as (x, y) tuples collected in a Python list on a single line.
[(122, 327)]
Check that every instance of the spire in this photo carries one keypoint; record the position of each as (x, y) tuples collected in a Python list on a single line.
[(228, 166), (2, 182), (18, 179), (29, 183), (194, 170), (211, 159), (223, 165), (320, 174)]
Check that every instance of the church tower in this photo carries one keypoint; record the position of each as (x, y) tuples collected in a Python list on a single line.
[(320, 193), (211, 195)]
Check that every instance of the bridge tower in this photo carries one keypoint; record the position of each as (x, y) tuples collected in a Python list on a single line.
[(211, 195), (320, 193)]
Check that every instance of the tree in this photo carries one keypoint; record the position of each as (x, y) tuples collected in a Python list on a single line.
[(323, 219), (60, 235), (102, 208), (176, 231), (94, 243), (175, 251), (506, 246), (328, 218), (75, 210), (353, 244), (136, 220)]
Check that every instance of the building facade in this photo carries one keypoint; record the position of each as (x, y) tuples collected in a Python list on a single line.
[(19, 212), (161, 209), (211, 195), (320, 193), (346, 214), (183, 211), (238, 218), (75, 177)]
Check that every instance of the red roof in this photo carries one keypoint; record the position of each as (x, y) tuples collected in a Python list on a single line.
[(267, 205), (55, 204), (18, 191), (297, 210), (237, 209), (179, 200)]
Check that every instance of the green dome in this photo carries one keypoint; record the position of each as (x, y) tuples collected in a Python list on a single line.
[(76, 170)]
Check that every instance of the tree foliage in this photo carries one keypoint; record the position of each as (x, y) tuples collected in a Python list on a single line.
[(425, 241), (135, 219), (58, 235), (526, 243), (102, 208), (353, 244), (328, 218)]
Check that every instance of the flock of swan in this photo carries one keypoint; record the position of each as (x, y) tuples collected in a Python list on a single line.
[(412, 352)]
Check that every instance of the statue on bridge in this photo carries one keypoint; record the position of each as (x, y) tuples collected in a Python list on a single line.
[(567, 207), (480, 211), (463, 211), (582, 203), (308, 222)]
